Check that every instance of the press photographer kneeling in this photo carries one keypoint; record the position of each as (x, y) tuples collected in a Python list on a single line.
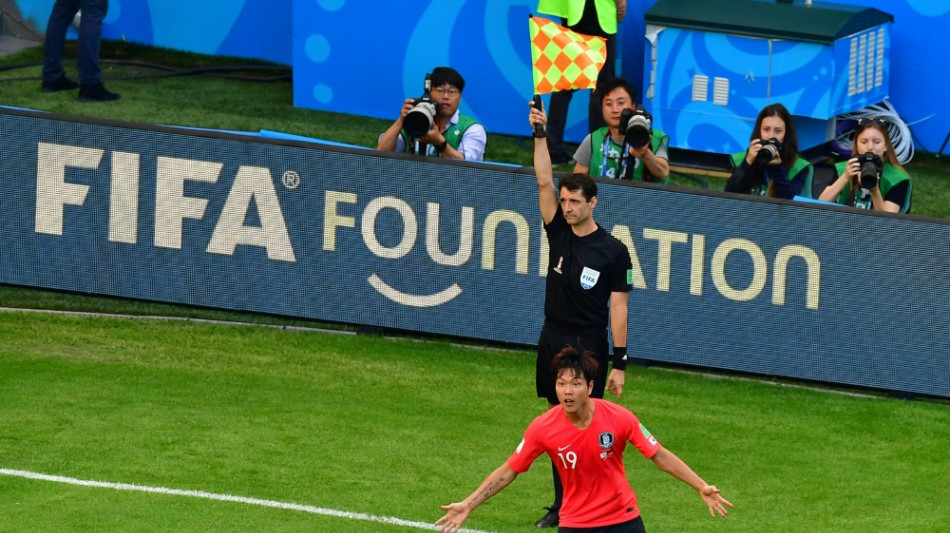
[(772, 166), (628, 147), (431, 125), (873, 178)]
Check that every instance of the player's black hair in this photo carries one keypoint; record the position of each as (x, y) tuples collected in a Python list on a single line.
[(582, 364)]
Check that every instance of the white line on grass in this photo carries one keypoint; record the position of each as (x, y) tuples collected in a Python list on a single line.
[(226, 498)]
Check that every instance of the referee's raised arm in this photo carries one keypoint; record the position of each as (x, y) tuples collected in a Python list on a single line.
[(547, 194)]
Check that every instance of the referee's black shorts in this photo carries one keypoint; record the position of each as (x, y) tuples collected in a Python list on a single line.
[(633, 526), (552, 341)]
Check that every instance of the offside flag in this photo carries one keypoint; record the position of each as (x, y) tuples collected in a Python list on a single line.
[(563, 59)]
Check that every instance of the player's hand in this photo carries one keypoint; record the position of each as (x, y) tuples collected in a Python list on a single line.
[(456, 515), (714, 501), (615, 382)]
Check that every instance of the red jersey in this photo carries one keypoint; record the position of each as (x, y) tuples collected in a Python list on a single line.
[(589, 461)]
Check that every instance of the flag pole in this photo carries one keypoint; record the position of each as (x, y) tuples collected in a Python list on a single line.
[(538, 104)]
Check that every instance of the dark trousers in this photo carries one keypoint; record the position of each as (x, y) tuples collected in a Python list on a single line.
[(90, 33)]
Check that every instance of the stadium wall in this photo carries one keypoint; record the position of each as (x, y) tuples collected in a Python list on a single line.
[(259, 29), (486, 41), (293, 228)]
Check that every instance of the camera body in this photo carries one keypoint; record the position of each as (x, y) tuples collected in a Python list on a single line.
[(771, 149), (419, 120), (637, 126), (870, 167)]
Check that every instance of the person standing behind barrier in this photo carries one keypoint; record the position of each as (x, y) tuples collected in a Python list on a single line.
[(586, 438), (589, 278), (93, 12), (607, 154), (873, 178), (451, 135), (772, 166), (589, 17)]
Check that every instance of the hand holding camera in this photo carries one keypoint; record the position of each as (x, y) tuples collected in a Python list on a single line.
[(868, 167), (407, 106), (769, 152), (420, 118)]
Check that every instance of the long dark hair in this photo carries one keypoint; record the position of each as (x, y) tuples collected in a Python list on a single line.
[(790, 144)]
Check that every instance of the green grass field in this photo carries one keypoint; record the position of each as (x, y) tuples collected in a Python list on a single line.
[(393, 427)]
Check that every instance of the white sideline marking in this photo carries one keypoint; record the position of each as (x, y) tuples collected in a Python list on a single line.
[(226, 498)]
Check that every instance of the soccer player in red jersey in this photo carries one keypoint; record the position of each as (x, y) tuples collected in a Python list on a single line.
[(586, 438)]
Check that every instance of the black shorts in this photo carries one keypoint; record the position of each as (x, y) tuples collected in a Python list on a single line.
[(553, 341), (633, 526)]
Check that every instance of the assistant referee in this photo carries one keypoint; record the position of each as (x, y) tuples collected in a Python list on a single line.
[(588, 283)]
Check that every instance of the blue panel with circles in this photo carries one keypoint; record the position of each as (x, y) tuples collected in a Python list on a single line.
[(705, 88), (364, 57)]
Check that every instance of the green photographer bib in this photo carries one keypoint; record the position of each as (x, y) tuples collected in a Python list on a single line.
[(453, 136), (890, 177), (610, 160)]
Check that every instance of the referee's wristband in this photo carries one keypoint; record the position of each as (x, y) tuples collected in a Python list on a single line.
[(620, 357)]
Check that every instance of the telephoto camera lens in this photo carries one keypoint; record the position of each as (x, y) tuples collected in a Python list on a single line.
[(637, 127), (419, 120)]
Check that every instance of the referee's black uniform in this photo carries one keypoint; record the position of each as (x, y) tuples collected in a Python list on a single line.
[(582, 272)]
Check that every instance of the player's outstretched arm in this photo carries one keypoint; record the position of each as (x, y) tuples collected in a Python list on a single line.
[(670, 463), (457, 513)]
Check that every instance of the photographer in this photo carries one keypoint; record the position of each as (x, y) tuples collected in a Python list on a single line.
[(607, 153), (772, 165), (450, 133), (873, 178)]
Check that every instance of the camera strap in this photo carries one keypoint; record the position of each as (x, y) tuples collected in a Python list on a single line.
[(620, 168)]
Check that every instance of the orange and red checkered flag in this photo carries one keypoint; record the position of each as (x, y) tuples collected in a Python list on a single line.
[(563, 59)]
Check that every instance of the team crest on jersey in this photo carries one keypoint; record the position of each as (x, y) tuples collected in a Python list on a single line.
[(606, 441), (589, 277)]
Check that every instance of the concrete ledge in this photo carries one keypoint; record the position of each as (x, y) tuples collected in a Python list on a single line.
[(9, 45)]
